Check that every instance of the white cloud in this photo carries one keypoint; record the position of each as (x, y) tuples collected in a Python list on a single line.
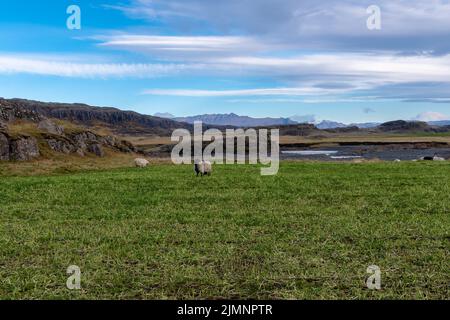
[(368, 67), (325, 74), (166, 44), (307, 19), (431, 116), (306, 75), (63, 67), (252, 56), (246, 92)]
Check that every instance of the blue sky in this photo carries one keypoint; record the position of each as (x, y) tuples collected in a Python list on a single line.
[(251, 57)]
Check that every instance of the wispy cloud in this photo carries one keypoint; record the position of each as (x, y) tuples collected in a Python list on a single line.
[(237, 55), (430, 100), (319, 74), (246, 92), (309, 24), (59, 66), (181, 44), (379, 68), (309, 75)]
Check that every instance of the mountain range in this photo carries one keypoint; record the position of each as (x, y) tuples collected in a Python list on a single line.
[(441, 123), (235, 120)]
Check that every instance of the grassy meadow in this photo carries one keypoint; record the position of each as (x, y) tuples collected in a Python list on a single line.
[(309, 232)]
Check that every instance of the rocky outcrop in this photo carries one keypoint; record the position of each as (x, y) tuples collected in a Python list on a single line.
[(87, 142), (4, 147), (50, 127), (21, 148), (10, 113), (96, 149), (121, 145), (60, 144), (3, 126)]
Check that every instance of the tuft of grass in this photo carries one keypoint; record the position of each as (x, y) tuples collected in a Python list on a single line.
[(309, 232)]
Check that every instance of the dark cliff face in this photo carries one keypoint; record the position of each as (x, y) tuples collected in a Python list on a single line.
[(123, 122), (18, 148), (10, 112), (37, 131)]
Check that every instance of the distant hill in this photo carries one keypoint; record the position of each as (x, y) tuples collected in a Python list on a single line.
[(401, 126), (307, 118), (300, 130), (235, 120), (365, 125), (441, 123)]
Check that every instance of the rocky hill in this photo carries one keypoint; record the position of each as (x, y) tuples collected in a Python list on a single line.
[(118, 121), (26, 134), (300, 130), (401, 126)]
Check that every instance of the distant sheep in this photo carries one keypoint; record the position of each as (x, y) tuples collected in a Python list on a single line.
[(434, 158), (141, 163), (202, 167)]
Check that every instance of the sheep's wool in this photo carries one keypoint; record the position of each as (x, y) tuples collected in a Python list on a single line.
[(203, 167), (207, 167), (141, 163)]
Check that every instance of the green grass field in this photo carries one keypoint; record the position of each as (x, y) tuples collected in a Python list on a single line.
[(160, 233)]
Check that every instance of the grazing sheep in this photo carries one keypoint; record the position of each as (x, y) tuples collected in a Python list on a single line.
[(433, 158), (202, 167), (141, 163)]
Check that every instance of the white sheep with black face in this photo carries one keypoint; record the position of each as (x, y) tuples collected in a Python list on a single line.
[(433, 158), (202, 167)]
